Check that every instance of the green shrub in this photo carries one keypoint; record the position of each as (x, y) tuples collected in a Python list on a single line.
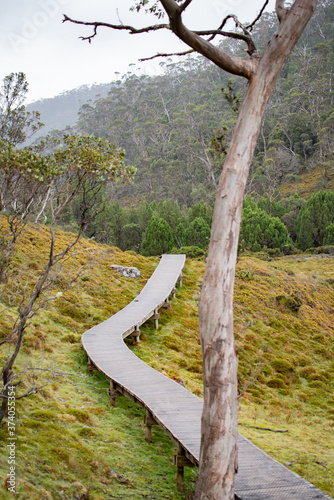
[(259, 230), (328, 250), (198, 233), (192, 252), (158, 237)]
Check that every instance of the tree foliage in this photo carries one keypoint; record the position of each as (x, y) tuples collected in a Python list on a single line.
[(258, 229), (34, 187), (313, 220), (158, 237), (16, 124)]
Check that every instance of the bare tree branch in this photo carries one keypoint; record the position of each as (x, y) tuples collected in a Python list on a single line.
[(130, 29), (235, 65), (281, 11), (230, 34), (250, 26), (266, 428), (184, 5), (167, 55)]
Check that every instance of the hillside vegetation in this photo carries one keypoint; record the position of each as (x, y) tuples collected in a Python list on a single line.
[(72, 444), (175, 130), (175, 127)]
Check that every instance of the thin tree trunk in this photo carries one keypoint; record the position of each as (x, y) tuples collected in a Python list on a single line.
[(219, 419), (218, 455)]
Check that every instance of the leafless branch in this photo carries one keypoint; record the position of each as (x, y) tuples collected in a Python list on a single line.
[(130, 29), (251, 26), (281, 11), (26, 373), (235, 65), (167, 55), (267, 429), (230, 34), (43, 206), (253, 376), (185, 4)]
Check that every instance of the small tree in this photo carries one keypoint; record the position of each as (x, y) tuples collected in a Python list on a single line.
[(259, 230), (16, 124), (329, 235), (314, 217), (198, 233), (32, 186), (158, 237)]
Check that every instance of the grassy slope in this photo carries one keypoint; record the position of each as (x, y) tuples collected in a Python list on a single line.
[(77, 445), (309, 183)]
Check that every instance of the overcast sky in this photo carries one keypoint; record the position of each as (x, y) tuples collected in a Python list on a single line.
[(34, 40)]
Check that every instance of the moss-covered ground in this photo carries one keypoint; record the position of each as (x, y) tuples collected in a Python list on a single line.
[(72, 444)]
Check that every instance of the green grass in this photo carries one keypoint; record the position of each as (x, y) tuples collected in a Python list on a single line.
[(72, 444)]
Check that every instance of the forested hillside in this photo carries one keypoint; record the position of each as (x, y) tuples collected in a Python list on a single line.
[(175, 128), (60, 112)]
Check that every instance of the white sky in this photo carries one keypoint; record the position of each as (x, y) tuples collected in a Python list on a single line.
[(34, 40)]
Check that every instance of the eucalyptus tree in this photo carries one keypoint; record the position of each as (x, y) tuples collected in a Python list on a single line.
[(218, 455), (33, 186), (16, 124)]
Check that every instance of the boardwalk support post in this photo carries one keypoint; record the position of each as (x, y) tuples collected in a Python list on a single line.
[(149, 422), (166, 304), (156, 317), (135, 335), (181, 461), (90, 366), (180, 279), (113, 393), (174, 293)]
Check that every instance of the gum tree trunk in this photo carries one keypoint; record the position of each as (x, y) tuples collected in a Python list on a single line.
[(218, 457)]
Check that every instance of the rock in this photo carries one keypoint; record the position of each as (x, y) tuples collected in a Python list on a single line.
[(127, 272)]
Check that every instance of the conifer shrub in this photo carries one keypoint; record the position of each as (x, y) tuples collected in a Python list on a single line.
[(192, 252), (315, 222), (198, 233), (259, 230), (158, 237)]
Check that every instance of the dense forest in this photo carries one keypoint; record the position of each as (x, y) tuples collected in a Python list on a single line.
[(175, 130)]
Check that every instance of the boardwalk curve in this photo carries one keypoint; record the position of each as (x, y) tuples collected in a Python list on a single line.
[(172, 406)]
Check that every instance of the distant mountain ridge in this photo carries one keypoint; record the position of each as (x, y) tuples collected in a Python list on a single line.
[(61, 111)]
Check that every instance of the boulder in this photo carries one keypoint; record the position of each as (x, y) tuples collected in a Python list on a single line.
[(127, 272)]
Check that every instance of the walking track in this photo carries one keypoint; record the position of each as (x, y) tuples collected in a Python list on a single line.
[(170, 405)]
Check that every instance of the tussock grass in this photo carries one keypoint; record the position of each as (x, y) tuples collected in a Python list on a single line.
[(72, 444)]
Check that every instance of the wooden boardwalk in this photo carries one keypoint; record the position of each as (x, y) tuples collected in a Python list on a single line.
[(172, 406)]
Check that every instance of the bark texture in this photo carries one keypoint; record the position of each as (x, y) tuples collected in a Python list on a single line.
[(218, 458)]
